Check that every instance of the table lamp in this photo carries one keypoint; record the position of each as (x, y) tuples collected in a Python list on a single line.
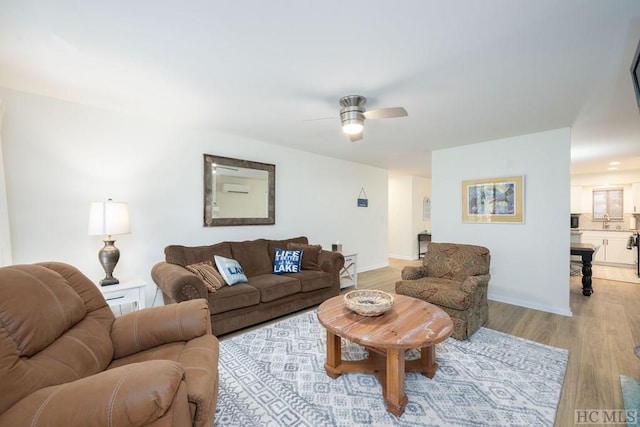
[(107, 219)]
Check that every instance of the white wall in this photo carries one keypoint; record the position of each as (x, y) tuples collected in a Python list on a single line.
[(609, 178), (406, 194), (400, 217), (421, 189), (530, 261), (5, 231), (59, 157)]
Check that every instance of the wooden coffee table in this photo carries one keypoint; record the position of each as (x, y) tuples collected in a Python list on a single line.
[(411, 323)]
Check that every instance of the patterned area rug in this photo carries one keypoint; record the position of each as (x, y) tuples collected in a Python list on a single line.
[(630, 393), (274, 376)]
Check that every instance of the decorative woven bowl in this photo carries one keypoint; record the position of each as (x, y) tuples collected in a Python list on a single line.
[(368, 302)]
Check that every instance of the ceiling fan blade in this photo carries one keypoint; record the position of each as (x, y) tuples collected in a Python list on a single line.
[(320, 118), (385, 113), (355, 137)]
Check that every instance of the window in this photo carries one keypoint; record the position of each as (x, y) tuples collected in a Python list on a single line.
[(607, 202)]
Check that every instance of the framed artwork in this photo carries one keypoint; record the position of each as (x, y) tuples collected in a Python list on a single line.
[(426, 209), (493, 200)]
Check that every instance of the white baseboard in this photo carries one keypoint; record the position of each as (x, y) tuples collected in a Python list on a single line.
[(546, 308), (404, 257), (372, 267)]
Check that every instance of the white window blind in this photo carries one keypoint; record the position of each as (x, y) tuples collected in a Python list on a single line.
[(608, 202)]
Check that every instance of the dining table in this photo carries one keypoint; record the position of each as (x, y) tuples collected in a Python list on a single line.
[(586, 251)]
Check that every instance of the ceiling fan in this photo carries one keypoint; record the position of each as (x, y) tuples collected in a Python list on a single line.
[(353, 113)]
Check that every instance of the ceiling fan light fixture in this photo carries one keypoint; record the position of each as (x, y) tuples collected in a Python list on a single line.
[(352, 126), (351, 114)]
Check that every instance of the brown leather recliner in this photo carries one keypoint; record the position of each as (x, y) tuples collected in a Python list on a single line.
[(66, 360)]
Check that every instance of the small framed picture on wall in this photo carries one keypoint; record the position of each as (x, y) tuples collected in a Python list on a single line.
[(426, 209), (493, 200)]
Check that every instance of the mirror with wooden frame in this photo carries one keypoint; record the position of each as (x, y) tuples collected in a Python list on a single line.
[(238, 192)]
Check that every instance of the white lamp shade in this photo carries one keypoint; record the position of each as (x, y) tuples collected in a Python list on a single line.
[(107, 218)]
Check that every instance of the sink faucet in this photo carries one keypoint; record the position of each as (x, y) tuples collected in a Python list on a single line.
[(605, 221)]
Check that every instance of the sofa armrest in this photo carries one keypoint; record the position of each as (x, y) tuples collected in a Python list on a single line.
[(332, 263), (134, 395), (413, 273), (144, 329), (178, 283)]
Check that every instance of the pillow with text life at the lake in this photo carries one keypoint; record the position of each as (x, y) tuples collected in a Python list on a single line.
[(230, 270), (287, 261)]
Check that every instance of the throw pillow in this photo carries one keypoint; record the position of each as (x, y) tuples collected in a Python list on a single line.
[(287, 261), (310, 255), (208, 273), (230, 270)]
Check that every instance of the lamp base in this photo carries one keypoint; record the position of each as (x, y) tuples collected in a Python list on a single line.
[(109, 256), (109, 281)]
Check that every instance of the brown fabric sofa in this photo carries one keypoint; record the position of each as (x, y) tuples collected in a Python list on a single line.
[(265, 296), (66, 360), (454, 277)]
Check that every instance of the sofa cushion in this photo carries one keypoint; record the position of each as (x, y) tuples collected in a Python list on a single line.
[(230, 269), (312, 280), (253, 255), (230, 298), (209, 275), (287, 261), (186, 255), (275, 244), (273, 286), (310, 254)]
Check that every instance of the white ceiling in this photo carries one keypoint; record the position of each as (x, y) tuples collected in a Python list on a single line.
[(467, 71)]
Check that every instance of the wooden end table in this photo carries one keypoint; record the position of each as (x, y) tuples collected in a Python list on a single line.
[(128, 291), (411, 323)]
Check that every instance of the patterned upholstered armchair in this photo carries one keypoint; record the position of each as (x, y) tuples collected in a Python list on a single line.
[(455, 278)]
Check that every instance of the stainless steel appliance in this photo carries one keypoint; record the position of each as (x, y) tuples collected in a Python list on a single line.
[(575, 220), (635, 243)]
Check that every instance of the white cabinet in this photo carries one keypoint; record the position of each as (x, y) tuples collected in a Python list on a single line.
[(576, 199), (635, 197), (126, 292), (617, 249), (612, 246), (598, 241)]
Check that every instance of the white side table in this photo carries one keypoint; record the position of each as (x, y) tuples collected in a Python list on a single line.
[(349, 273), (129, 291)]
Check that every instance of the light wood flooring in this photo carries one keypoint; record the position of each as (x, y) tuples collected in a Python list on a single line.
[(600, 336), (614, 273)]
